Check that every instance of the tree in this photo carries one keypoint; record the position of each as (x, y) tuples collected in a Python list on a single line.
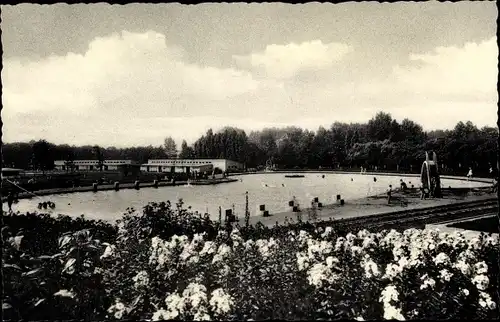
[(69, 159), (170, 147), (187, 152), (42, 156), (98, 155), (380, 127)]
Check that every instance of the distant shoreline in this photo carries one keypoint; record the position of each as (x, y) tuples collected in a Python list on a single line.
[(108, 187)]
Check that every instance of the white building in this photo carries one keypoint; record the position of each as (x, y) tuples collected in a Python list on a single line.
[(92, 165), (188, 165)]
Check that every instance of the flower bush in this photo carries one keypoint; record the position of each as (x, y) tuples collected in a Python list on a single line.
[(167, 263)]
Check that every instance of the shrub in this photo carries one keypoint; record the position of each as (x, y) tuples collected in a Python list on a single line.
[(166, 262)]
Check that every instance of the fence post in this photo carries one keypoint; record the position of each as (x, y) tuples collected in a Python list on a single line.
[(247, 213), (220, 215)]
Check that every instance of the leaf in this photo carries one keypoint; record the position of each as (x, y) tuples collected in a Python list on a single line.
[(33, 272), (63, 241), (58, 255), (6, 306), (136, 301), (45, 257), (39, 302), (16, 242), (69, 263), (13, 266)]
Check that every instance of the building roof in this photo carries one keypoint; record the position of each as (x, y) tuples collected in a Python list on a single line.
[(189, 165), (11, 170), (152, 161)]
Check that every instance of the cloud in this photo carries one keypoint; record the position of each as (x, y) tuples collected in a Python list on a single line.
[(459, 82), (285, 61), (136, 88), (120, 72), (467, 72)]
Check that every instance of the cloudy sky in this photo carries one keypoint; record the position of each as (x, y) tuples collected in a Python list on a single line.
[(131, 75)]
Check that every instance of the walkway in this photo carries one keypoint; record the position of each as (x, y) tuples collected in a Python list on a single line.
[(373, 206)]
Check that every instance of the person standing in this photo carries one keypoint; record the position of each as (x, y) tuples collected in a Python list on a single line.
[(494, 187), (10, 200), (389, 194), (469, 174)]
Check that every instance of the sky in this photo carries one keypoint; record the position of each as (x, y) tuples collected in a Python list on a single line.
[(131, 75)]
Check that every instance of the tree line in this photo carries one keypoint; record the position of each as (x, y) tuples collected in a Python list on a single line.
[(381, 143)]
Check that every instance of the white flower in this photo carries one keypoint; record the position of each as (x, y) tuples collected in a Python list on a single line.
[(441, 258), (430, 245), (118, 309), (201, 316), (465, 291), (486, 301), (222, 251), (356, 250), (265, 246), (196, 294), (481, 282), (175, 306), (389, 293), (328, 232), (467, 255), (392, 270), (221, 302), (393, 313), (208, 248), (474, 243), (368, 242), (109, 251), (160, 315), (340, 243), (302, 261), (303, 236), (318, 248), (446, 275), (331, 261), (156, 242), (319, 273), (350, 238), (397, 251), (194, 260), (491, 240), (249, 244), (363, 233), (403, 262), (141, 279), (371, 268), (462, 266), (65, 293), (428, 282), (481, 268)]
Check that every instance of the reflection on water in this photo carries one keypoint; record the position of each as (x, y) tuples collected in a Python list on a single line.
[(272, 190)]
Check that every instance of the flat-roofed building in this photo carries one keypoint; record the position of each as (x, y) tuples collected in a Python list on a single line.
[(189, 165), (93, 165), (11, 172)]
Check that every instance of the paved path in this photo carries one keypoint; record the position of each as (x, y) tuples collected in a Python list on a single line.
[(373, 206)]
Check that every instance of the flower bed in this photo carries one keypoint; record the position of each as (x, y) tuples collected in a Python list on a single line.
[(141, 270)]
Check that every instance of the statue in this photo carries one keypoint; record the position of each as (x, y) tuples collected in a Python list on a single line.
[(429, 175)]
